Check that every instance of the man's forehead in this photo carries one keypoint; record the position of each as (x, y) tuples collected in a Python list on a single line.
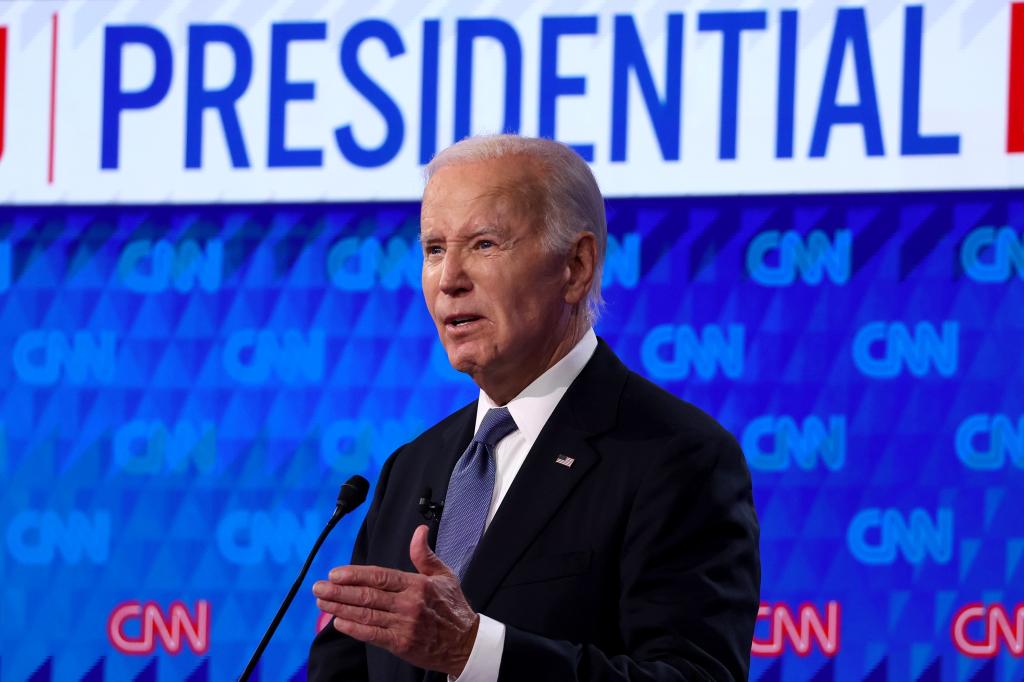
[(491, 178), (461, 210), (465, 212)]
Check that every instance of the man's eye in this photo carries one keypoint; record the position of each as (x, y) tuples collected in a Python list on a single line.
[(433, 250), (484, 244)]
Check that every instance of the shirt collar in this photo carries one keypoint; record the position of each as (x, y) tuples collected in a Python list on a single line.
[(535, 403)]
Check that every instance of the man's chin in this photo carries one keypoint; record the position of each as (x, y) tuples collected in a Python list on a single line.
[(466, 359)]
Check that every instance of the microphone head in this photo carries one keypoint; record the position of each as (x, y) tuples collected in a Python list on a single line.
[(353, 493)]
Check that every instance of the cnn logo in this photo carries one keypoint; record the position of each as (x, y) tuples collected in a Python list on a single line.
[(804, 629), (173, 629), (979, 630)]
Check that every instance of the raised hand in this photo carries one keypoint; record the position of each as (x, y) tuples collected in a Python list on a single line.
[(423, 618)]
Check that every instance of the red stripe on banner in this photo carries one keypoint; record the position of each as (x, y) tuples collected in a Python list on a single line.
[(1015, 97), (3, 84), (53, 94)]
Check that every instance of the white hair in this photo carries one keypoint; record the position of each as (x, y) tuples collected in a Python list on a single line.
[(571, 201)]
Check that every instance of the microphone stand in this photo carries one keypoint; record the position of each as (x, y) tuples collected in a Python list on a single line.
[(351, 495)]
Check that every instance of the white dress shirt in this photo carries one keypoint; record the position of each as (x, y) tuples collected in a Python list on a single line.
[(530, 410)]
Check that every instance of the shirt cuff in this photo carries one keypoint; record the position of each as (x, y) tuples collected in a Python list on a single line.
[(485, 658)]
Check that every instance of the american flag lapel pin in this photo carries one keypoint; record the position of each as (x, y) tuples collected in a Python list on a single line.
[(564, 460)]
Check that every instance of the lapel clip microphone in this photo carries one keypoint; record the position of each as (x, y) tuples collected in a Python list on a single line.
[(430, 510)]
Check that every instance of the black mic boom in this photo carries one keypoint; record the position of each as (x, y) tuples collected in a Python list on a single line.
[(351, 495)]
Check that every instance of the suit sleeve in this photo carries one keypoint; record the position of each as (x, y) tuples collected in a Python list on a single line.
[(689, 581), (333, 655)]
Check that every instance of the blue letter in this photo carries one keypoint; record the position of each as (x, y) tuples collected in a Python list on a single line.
[(282, 91), (468, 31), (851, 28), (912, 142), (114, 98), (350, 149), (787, 85), (199, 98), (551, 84), (428, 91), (731, 24), (665, 114)]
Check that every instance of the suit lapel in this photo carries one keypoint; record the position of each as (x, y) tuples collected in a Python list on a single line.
[(542, 484), (536, 493), (454, 439), (450, 446), (453, 442), (588, 408)]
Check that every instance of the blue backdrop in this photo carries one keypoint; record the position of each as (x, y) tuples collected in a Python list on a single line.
[(186, 386)]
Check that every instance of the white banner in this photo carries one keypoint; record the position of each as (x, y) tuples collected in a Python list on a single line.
[(276, 100)]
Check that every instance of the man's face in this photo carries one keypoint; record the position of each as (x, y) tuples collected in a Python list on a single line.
[(494, 292)]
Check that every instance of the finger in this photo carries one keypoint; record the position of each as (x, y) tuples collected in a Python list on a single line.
[(423, 558), (387, 579), (371, 634), (357, 614), (355, 595)]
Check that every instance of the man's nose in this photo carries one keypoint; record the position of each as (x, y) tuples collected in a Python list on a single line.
[(454, 276)]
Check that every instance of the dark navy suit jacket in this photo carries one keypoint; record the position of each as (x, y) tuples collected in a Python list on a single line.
[(638, 562)]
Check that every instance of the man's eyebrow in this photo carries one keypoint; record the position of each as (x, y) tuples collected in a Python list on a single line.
[(496, 230)]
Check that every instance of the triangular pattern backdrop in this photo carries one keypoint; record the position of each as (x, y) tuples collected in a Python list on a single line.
[(186, 386)]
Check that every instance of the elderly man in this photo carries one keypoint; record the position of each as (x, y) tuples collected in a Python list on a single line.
[(594, 526)]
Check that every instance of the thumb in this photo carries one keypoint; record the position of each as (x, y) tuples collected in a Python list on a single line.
[(423, 558)]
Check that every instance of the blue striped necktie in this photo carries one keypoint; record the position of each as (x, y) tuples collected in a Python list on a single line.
[(469, 492)]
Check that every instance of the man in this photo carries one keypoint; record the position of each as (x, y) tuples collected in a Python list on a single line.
[(594, 526)]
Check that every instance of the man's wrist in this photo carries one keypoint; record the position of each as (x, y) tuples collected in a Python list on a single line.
[(466, 648), (485, 658)]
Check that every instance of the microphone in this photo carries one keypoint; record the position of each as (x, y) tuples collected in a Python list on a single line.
[(430, 510), (351, 495)]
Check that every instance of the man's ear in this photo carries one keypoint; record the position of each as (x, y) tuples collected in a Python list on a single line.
[(580, 265)]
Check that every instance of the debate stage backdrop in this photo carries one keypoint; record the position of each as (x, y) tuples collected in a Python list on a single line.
[(210, 309)]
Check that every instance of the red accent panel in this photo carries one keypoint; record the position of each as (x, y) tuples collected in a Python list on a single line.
[(53, 95), (3, 84), (1015, 91)]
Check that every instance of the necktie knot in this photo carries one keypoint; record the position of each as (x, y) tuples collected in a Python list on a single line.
[(496, 424)]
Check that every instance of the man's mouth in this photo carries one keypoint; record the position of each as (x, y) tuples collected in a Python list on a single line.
[(460, 320)]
